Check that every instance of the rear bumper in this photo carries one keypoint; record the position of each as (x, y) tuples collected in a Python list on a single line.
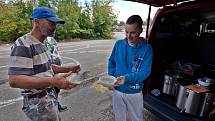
[(164, 108)]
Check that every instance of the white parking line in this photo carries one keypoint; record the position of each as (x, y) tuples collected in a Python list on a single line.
[(5, 53), (4, 66), (86, 45), (9, 102), (4, 70), (6, 105), (76, 62), (5, 49), (96, 51), (65, 51), (3, 56), (12, 101), (70, 46)]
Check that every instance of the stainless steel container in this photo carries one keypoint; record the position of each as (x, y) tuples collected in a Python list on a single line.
[(170, 85), (198, 104), (182, 93), (170, 81), (181, 97)]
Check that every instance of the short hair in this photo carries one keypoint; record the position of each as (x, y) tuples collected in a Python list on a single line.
[(135, 19)]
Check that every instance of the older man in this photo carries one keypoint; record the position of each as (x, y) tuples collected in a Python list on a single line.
[(30, 68)]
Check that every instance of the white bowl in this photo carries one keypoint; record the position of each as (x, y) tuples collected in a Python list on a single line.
[(107, 81), (202, 83)]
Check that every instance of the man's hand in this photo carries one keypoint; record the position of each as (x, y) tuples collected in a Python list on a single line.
[(62, 83), (74, 69), (63, 69), (65, 75), (120, 81)]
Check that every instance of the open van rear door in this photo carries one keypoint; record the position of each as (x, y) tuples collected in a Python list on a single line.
[(160, 3), (157, 3)]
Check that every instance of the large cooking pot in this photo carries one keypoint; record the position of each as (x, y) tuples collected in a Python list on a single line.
[(198, 104), (170, 82), (169, 85), (182, 93), (196, 101), (181, 97)]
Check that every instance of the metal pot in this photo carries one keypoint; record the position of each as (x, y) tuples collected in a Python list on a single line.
[(182, 93), (198, 104), (170, 82), (170, 85), (181, 97)]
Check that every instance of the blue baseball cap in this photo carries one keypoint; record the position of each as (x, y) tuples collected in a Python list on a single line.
[(46, 13)]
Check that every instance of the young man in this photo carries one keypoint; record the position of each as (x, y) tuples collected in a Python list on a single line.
[(130, 62), (30, 68)]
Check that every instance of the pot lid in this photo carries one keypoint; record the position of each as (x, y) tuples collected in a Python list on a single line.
[(159, 3), (197, 88)]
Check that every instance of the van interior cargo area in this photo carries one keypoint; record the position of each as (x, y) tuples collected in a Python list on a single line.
[(183, 40)]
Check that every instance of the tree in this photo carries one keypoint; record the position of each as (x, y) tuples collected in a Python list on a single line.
[(121, 23), (85, 22), (95, 20), (70, 12), (14, 20), (103, 18), (44, 3)]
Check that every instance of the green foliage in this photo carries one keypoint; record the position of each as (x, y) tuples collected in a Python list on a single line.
[(121, 23), (103, 18), (70, 12), (44, 3), (92, 21), (85, 23), (14, 20)]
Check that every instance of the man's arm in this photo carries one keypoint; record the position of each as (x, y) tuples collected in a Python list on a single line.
[(29, 82), (144, 70), (62, 69), (111, 62)]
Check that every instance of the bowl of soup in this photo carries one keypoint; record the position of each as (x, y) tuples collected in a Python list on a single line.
[(107, 81)]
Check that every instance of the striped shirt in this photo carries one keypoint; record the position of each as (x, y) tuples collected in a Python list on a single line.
[(30, 57)]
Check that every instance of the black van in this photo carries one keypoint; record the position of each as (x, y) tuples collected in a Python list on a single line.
[(182, 34)]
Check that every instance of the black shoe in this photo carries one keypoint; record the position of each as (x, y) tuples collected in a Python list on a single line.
[(62, 108)]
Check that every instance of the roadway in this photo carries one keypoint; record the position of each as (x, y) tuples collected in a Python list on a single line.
[(87, 102)]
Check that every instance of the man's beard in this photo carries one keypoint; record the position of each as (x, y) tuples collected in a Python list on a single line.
[(49, 33)]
